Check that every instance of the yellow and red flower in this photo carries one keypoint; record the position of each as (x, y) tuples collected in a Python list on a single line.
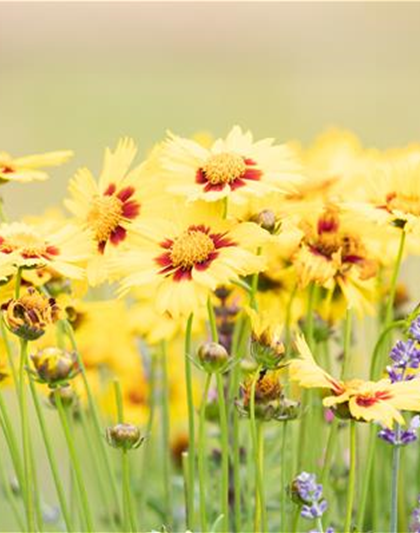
[(25, 169)]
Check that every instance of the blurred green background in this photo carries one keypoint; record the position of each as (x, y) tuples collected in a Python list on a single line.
[(79, 75)]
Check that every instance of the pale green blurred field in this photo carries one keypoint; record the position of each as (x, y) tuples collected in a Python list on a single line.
[(78, 76)]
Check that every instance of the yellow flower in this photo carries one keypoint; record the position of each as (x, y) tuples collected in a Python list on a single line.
[(236, 167), (108, 207), (266, 345), (24, 169), (190, 256), (379, 401), (26, 246), (335, 251)]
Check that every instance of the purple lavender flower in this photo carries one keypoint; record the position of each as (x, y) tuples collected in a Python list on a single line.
[(309, 493), (399, 437), (328, 530), (415, 519), (414, 329)]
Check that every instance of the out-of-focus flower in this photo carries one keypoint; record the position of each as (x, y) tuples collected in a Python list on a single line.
[(29, 315), (24, 169), (236, 167), (415, 518), (414, 329), (54, 366), (400, 437), (190, 256), (305, 491), (379, 401), (29, 247), (107, 208), (406, 357), (125, 436), (266, 346)]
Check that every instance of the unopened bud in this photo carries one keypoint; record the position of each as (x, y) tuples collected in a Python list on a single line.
[(213, 357), (125, 436), (54, 365)]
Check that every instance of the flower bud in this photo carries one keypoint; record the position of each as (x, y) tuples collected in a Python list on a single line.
[(30, 314), (67, 396), (54, 365), (125, 436), (213, 357), (267, 220)]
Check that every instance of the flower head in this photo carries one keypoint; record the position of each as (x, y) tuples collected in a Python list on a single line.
[(266, 346), (308, 493), (405, 356), (25, 169), (213, 357), (125, 436), (236, 167), (379, 401), (29, 315), (401, 437), (187, 257), (414, 329), (54, 366)]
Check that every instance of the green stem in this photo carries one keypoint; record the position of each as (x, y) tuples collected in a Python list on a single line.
[(28, 483), (130, 521), (51, 457), (18, 282), (352, 477), (202, 455), (119, 401), (347, 344), (254, 288), (10, 437), (367, 477), (167, 476), (396, 457), (390, 304), (309, 324), (212, 321), (11, 497), (224, 431), (257, 463), (319, 526), (377, 351), (329, 453), (75, 462), (95, 417), (283, 464), (191, 425)]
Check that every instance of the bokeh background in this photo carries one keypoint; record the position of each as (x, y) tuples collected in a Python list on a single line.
[(79, 75)]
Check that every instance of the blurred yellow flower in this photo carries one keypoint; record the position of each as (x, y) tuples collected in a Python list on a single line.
[(25, 169), (379, 401)]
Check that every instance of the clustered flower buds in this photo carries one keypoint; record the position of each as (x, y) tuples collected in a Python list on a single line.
[(270, 402), (30, 314), (306, 492), (54, 366), (124, 436), (213, 357)]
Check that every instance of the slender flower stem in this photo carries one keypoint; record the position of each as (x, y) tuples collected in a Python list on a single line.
[(202, 455), (254, 288), (377, 351), (95, 416), (75, 462), (393, 288), (367, 477), (191, 426), (259, 509), (396, 459), (329, 453), (28, 483), (10, 497), (51, 457), (224, 431), (283, 464), (10, 438), (212, 321), (319, 526), (347, 344), (18, 282), (167, 476), (352, 477)]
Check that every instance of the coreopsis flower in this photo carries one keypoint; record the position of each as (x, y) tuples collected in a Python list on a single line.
[(267, 347), (187, 258), (28, 168), (125, 436), (29, 315), (107, 207), (31, 247), (235, 167), (379, 401), (54, 366), (335, 252)]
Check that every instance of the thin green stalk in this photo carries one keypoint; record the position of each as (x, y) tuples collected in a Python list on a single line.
[(202, 455), (373, 430), (224, 431), (186, 476), (259, 509), (167, 475), (95, 417), (396, 458), (10, 497), (296, 518), (128, 506), (191, 425), (377, 351), (352, 477), (11, 440), (309, 323), (283, 464), (319, 526), (347, 344), (254, 288), (212, 321), (37, 493), (329, 453), (28, 483), (18, 281), (393, 287), (75, 462)]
